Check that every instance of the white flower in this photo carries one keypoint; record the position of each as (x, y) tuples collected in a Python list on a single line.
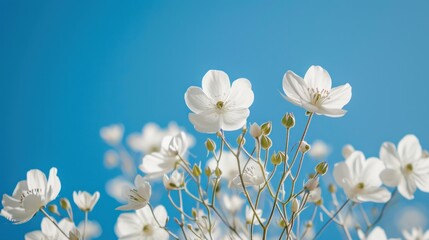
[(50, 232), (142, 224), (232, 203), (405, 167), (92, 230), (250, 214), (255, 130), (315, 196), (360, 178), (218, 105), (111, 159), (175, 181), (118, 188), (347, 150), (319, 150), (31, 195), (416, 234), (227, 164), (158, 163), (376, 234), (85, 201), (150, 138), (112, 134), (252, 175), (139, 196), (314, 93)]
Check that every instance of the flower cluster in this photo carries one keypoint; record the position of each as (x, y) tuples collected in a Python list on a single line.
[(249, 187)]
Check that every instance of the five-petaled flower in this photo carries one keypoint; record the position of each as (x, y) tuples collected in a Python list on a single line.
[(85, 201), (139, 196), (315, 94), (219, 105)]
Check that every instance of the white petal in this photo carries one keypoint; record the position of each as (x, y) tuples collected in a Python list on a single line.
[(54, 185), (216, 85), (391, 177), (389, 155), (198, 101), (356, 162), (422, 181), (338, 97), (409, 148), (295, 88), (341, 172), (375, 194), (128, 224), (35, 235), (318, 78), (407, 187), (331, 112), (241, 95), (161, 214), (21, 187), (377, 234), (36, 179), (422, 166), (206, 122), (371, 172), (234, 119)]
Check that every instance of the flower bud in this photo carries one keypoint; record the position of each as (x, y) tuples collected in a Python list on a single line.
[(322, 168), (189, 226), (332, 188), (194, 212), (295, 205), (283, 157), (265, 142), (54, 209), (210, 145), (255, 130), (347, 150), (276, 159), (266, 128), (241, 140), (288, 120), (74, 234), (218, 172), (208, 171), (196, 170), (282, 223), (304, 147), (65, 204), (311, 184), (309, 224)]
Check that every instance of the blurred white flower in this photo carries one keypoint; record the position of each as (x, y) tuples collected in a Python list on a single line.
[(85, 201), (347, 150), (150, 139), (50, 232), (416, 233), (315, 94), (112, 134), (218, 105), (227, 164), (159, 163), (175, 181), (232, 203), (111, 159), (319, 150), (142, 224), (405, 167), (139, 196), (376, 234), (253, 175), (92, 230), (360, 179), (31, 195), (118, 188), (250, 214), (315, 196), (410, 216)]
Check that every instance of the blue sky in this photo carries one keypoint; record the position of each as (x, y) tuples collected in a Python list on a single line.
[(69, 68)]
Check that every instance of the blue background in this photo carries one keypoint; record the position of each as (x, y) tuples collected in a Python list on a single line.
[(69, 68)]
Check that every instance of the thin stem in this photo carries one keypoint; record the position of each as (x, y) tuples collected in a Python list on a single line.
[(85, 224), (54, 222), (330, 220), (159, 225), (381, 212)]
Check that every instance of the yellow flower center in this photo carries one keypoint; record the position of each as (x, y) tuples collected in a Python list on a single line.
[(318, 96), (219, 105)]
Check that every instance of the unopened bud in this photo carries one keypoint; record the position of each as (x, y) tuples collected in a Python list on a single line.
[(309, 224), (255, 130), (295, 205), (265, 142), (194, 212), (332, 188), (210, 145), (218, 172), (196, 170), (266, 128), (65, 203), (189, 226), (276, 159), (304, 147), (283, 156), (322, 168), (288, 120), (311, 184), (347, 150), (282, 223), (54, 209), (207, 171), (241, 140)]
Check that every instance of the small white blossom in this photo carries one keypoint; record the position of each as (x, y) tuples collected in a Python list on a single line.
[(253, 175), (118, 188), (175, 181), (31, 195), (250, 214), (315, 94), (315, 196), (416, 233), (112, 134), (227, 164), (232, 203), (85, 201), (50, 232), (376, 234), (142, 224), (159, 163), (92, 230), (405, 167), (111, 159), (360, 179), (219, 105), (319, 150), (139, 196)]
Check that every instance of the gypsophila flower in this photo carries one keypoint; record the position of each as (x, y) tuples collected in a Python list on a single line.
[(142, 224), (50, 232), (314, 92), (360, 179), (112, 134), (85, 201), (219, 105), (172, 150), (405, 167), (175, 181), (31, 195), (139, 196)]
